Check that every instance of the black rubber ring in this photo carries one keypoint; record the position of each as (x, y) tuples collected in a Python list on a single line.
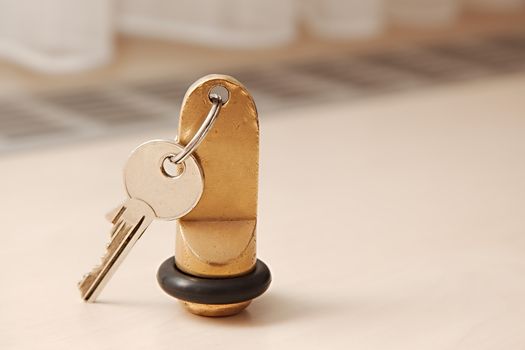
[(213, 290)]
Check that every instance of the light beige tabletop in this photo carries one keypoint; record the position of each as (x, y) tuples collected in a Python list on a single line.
[(390, 223)]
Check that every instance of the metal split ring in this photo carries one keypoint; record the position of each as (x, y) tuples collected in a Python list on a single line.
[(202, 132)]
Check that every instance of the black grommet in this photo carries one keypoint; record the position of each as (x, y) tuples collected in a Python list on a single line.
[(213, 290)]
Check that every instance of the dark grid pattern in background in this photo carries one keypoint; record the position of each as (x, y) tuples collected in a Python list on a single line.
[(30, 121)]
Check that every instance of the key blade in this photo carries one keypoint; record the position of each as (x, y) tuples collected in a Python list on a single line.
[(114, 215), (123, 239), (129, 225)]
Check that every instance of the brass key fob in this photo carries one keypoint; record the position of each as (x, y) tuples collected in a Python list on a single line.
[(208, 180), (215, 271)]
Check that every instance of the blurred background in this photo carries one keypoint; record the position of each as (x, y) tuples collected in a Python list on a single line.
[(392, 162), (75, 69)]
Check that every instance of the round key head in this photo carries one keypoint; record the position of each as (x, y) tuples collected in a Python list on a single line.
[(171, 191)]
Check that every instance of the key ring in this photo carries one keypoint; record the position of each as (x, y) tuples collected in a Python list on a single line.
[(202, 132)]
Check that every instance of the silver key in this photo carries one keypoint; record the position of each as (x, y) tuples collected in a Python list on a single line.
[(153, 193)]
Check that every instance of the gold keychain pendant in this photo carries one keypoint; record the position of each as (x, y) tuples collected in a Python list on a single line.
[(215, 271)]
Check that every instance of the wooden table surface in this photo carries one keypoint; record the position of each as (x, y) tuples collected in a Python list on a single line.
[(391, 223)]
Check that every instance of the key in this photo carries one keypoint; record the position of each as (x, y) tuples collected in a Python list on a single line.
[(154, 192)]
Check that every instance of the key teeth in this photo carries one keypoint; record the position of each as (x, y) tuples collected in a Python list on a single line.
[(82, 280), (119, 215), (118, 225), (89, 277), (129, 222), (114, 216), (91, 273)]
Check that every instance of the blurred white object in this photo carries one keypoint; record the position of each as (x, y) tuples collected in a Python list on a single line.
[(345, 18), (227, 23), (56, 35), (423, 13), (495, 5)]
